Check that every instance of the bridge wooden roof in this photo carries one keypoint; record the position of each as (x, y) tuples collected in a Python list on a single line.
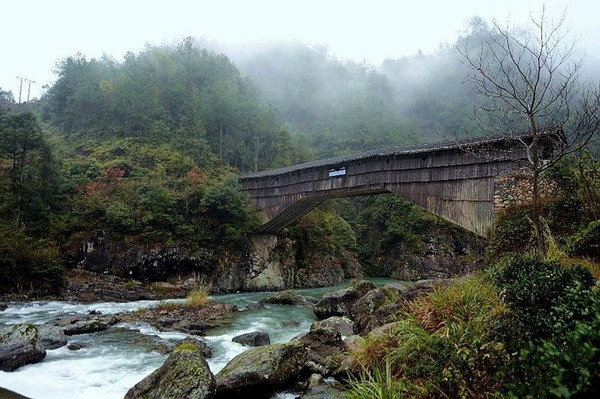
[(390, 151)]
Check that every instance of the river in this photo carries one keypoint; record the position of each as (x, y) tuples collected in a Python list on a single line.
[(113, 360)]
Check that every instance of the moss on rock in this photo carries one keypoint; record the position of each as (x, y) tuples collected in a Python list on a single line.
[(185, 374)]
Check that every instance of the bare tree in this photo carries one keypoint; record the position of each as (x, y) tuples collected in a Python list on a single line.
[(532, 92)]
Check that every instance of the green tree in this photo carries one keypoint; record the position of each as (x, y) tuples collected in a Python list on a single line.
[(20, 135)]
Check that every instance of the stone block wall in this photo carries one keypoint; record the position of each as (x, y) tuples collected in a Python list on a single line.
[(514, 188)]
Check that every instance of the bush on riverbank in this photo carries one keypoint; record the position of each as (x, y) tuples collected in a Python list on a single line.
[(197, 297), (529, 328)]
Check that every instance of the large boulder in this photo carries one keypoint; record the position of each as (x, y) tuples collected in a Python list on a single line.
[(261, 370), (185, 374), (343, 325), (290, 297), (322, 343), (20, 345), (383, 305), (339, 303), (255, 338), (52, 337), (363, 310)]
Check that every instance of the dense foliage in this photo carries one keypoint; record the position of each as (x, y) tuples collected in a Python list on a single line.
[(529, 330)]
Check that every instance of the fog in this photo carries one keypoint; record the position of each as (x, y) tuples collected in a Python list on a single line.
[(35, 34)]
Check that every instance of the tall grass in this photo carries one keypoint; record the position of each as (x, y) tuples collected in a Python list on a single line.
[(197, 297), (442, 347), (376, 384)]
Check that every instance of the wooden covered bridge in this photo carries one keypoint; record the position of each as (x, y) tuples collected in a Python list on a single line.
[(454, 180)]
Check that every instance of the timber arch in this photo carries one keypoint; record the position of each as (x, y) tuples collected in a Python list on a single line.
[(454, 180)]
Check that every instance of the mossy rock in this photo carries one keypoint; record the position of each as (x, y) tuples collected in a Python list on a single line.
[(185, 374), (261, 369), (20, 345)]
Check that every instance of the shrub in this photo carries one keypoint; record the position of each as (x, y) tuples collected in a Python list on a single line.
[(120, 217), (230, 208), (544, 296), (28, 264), (553, 328), (513, 232), (197, 297)]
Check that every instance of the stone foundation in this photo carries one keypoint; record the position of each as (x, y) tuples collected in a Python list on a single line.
[(514, 188)]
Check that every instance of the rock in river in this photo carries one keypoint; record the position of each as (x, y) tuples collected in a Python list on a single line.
[(52, 337), (255, 338), (73, 325), (261, 370), (20, 345), (185, 374), (340, 302)]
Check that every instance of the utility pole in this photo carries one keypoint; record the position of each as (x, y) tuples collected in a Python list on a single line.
[(21, 86), (29, 88)]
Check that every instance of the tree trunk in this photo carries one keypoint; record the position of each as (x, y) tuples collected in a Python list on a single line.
[(535, 186)]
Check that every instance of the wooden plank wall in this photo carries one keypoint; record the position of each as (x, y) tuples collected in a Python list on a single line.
[(453, 184)]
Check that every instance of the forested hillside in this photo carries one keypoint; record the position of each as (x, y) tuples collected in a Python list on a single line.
[(190, 97)]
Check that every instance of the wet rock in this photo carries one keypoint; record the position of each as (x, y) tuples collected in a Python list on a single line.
[(20, 345), (73, 325), (6, 394), (255, 338), (363, 310), (3, 307), (261, 370), (75, 346), (52, 337), (343, 325), (290, 297), (185, 374), (321, 344), (336, 303)]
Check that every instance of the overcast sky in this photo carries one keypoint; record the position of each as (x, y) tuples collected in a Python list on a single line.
[(35, 34)]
